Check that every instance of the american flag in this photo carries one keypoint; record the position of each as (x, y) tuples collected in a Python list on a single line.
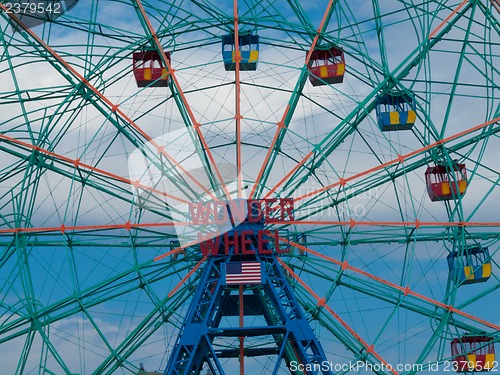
[(243, 273)]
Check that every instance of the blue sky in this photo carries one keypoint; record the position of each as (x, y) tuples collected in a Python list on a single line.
[(57, 270)]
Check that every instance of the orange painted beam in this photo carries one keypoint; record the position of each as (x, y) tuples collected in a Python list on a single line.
[(322, 303), (412, 224), (83, 228), (187, 276), (175, 251), (78, 164), (113, 107), (352, 223), (435, 31), (496, 4), (238, 117), (399, 159), (281, 123), (406, 290), (195, 123), (288, 175)]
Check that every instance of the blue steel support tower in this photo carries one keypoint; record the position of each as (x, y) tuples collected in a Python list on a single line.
[(270, 301)]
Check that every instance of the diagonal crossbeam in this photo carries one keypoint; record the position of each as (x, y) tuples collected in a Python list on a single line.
[(406, 291), (110, 109)]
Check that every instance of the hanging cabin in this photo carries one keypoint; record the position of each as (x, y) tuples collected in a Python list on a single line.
[(248, 44), (326, 66), (445, 183), (473, 353), (395, 111), (149, 70), (473, 266)]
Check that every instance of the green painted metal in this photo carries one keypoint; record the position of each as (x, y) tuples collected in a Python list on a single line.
[(91, 300)]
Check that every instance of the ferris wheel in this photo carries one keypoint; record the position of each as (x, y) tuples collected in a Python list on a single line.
[(205, 187)]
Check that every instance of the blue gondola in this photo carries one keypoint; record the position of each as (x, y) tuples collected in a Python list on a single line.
[(248, 45), (395, 111), (473, 266)]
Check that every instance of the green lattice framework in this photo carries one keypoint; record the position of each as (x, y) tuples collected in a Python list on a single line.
[(79, 290)]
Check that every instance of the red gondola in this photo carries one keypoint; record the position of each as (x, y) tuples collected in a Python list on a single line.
[(445, 183), (149, 70), (326, 66), (473, 353)]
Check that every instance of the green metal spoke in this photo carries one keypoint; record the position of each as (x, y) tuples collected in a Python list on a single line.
[(385, 278)]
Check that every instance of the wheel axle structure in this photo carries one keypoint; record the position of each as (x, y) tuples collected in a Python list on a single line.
[(273, 187)]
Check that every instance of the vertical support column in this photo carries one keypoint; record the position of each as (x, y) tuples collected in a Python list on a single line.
[(243, 278), (273, 300)]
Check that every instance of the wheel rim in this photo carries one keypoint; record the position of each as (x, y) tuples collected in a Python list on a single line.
[(81, 292)]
